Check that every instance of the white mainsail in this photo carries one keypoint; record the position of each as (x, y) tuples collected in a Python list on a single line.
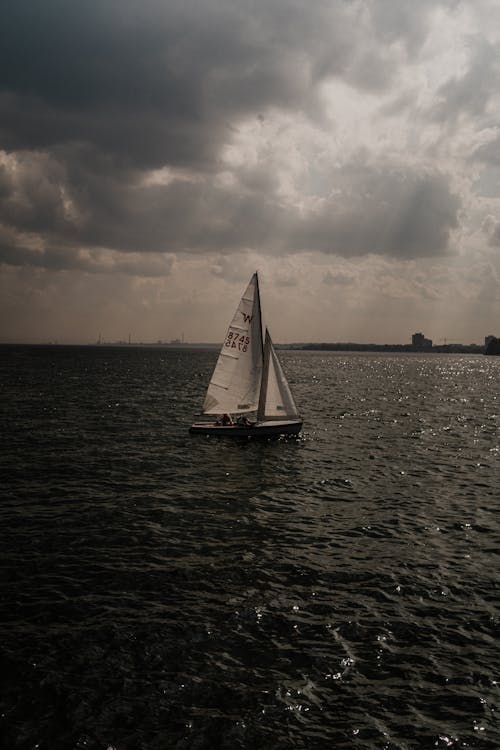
[(276, 397), (236, 380)]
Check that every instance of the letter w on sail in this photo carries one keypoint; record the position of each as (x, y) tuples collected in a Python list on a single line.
[(247, 318)]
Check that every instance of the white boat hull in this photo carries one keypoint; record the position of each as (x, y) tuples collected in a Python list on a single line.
[(269, 428)]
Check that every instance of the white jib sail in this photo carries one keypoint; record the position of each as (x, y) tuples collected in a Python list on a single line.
[(235, 384), (278, 396)]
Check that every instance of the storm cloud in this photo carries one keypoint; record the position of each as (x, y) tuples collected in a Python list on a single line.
[(135, 133)]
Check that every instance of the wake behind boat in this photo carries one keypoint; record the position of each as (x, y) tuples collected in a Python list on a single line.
[(248, 379)]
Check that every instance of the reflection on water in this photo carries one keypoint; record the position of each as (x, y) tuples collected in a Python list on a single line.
[(162, 590)]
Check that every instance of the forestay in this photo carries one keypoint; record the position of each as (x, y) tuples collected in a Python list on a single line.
[(235, 383)]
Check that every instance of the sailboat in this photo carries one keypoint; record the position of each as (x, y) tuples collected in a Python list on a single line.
[(248, 379)]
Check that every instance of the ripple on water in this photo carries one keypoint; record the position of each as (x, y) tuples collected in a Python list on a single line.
[(339, 590)]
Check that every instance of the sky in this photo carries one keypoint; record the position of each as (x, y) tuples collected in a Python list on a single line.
[(154, 153)]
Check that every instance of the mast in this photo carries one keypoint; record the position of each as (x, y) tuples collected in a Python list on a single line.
[(257, 293), (265, 377), (263, 344)]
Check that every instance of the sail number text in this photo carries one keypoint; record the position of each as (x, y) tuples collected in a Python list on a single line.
[(237, 341)]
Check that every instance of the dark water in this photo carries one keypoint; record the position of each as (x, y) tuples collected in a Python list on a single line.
[(160, 590)]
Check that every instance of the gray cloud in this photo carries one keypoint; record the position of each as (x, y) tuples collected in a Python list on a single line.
[(376, 209), (32, 198), (93, 94), (470, 93), (489, 153), (383, 211), (338, 279), (13, 253), (152, 83), (404, 21), (494, 235)]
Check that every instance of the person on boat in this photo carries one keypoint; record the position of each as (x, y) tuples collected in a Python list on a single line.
[(242, 421), (227, 420)]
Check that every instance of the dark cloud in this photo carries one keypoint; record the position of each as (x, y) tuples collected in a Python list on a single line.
[(94, 94), (383, 211), (14, 253), (375, 210), (155, 83), (113, 138), (94, 211), (32, 190), (54, 260)]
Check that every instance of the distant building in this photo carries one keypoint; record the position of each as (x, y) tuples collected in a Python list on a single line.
[(493, 346), (419, 341), (488, 340)]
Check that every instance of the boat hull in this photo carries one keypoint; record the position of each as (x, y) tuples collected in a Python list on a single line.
[(273, 428)]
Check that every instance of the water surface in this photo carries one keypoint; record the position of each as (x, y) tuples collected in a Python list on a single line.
[(160, 590)]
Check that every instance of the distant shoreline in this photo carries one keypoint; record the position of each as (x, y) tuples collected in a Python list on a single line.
[(353, 347), (332, 347)]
